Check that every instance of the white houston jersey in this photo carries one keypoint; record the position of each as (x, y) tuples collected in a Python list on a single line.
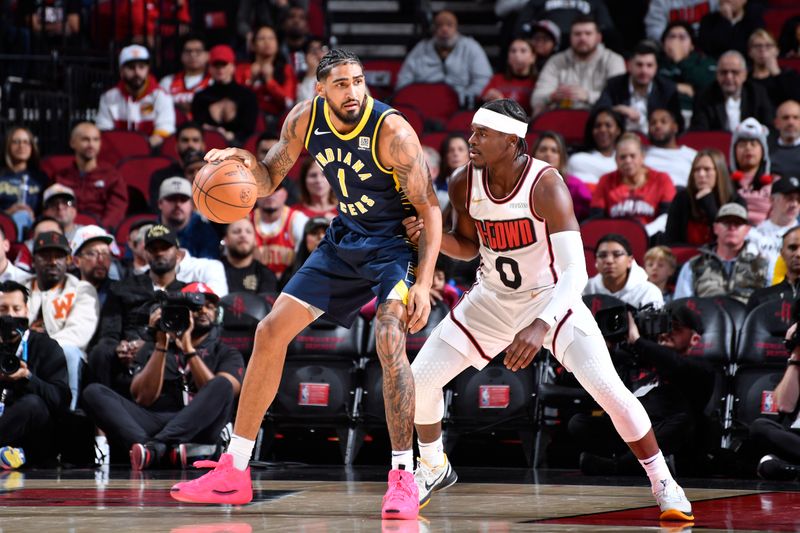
[(515, 249)]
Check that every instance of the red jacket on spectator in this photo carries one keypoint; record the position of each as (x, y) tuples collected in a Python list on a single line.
[(101, 193), (273, 97), (645, 203)]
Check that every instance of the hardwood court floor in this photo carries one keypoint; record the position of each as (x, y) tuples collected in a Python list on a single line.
[(332, 499)]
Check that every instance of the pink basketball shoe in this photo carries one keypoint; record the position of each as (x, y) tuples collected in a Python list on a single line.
[(225, 484), (401, 501)]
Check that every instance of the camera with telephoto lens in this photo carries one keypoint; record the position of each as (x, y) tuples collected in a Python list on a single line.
[(176, 308), (794, 341), (9, 326), (652, 322)]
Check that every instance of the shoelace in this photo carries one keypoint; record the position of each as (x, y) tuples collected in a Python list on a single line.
[(402, 487)]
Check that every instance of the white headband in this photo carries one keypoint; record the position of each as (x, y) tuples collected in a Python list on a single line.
[(502, 123)]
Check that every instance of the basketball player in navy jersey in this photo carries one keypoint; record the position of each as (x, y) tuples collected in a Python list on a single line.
[(516, 212), (374, 162)]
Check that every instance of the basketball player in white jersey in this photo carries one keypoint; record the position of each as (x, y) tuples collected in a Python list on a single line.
[(517, 213)]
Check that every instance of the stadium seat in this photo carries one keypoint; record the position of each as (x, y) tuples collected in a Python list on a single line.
[(118, 145), (776, 16), (570, 123), (84, 219), (737, 311), (684, 253), (381, 76), (790, 63), (137, 171), (242, 311), (435, 101), (699, 140), (461, 122), (434, 139), (761, 361), (592, 230), (413, 116), (121, 235), (8, 227), (588, 255), (52, 164)]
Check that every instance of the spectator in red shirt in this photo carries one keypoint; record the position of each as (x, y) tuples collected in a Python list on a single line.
[(518, 80), (317, 198), (100, 190), (269, 75), (633, 190)]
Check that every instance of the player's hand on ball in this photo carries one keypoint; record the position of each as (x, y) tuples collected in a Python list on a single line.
[(418, 307), (414, 227), (526, 344), (215, 154)]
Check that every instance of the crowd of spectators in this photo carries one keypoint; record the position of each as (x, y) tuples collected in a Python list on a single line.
[(705, 66)]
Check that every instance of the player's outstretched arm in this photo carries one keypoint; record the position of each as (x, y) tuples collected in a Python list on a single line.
[(280, 158), (399, 148), (553, 203)]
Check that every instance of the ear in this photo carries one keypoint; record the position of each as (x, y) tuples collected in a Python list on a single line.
[(320, 89), (694, 340)]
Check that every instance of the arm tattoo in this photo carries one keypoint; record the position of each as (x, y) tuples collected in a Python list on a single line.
[(412, 170), (398, 381), (279, 160)]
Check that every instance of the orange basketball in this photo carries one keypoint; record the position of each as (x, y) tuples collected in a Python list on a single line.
[(224, 191)]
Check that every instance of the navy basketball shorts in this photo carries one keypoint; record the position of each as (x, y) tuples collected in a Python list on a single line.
[(347, 270)]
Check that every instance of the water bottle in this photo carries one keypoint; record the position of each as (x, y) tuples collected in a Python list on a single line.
[(23, 190)]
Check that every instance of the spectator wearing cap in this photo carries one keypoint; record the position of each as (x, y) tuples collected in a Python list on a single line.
[(664, 153), (783, 215), (177, 213), (673, 386), (575, 77), (101, 190), (448, 57), (279, 230), (137, 103), (91, 253), (731, 267), (60, 304), (24, 258), (619, 275), (243, 272), (784, 154), (184, 84), (546, 40), (313, 232), (788, 288), (183, 389), (189, 138), (750, 168), (641, 90), (226, 106), (731, 98), (124, 317), (60, 204)]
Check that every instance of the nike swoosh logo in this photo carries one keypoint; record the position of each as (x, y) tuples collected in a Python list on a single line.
[(428, 487), (317, 132)]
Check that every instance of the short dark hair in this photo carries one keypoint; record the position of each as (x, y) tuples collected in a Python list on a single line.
[(584, 19), (45, 218), (510, 108), (13, 286), (646, 47), (678, 24), (617, 238), (668, 111), (588, 132), (193, 36), (333, 58), (188, 125)]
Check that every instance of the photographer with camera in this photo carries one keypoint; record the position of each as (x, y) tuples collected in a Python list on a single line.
[(183, 387), (33, 379), (619, 276), (673, 388), (780, 441)]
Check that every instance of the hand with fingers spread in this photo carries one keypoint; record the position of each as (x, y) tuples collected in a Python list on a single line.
[(247, 159), (418, 307), (526, 344)]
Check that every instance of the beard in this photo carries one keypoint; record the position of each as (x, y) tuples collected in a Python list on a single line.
[(200, 329), (240, 252), (446, 44), (162, 266), (351, 119)]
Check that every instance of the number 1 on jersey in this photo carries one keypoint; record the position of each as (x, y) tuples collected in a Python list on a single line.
[(342, 186)]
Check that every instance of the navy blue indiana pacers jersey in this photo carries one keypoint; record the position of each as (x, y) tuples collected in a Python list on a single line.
[(371, 201)]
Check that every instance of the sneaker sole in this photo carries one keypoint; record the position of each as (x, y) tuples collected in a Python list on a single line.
[(399, 515), (183, 498), (676, 515), (137, 454), (436, 488)]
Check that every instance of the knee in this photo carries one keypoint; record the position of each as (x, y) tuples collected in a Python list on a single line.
[(93, 394), (760, 427), (31, 402), (219, 387), (390, 338)]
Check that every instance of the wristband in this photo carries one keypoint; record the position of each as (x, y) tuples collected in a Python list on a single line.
[(157, 349), (795, 362), (189, 355)]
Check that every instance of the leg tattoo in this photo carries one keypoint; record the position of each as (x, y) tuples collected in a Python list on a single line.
[(398, 381)]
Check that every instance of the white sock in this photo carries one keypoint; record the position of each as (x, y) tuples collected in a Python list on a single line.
[(241, 449), (657, 471), (432, 452), (403, 460)]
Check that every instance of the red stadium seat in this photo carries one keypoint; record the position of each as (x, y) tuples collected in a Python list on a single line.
[(588, 255), (52, 164), (434, 140), (699, 140), (8, 227), (531, 139), (570, 123), (461, 122), (137, 171), (789, 63), (413, 117), (684, 253), (435, 101), (775, 17), (118, 144), (381, 76), (121, 235), (592, 230)]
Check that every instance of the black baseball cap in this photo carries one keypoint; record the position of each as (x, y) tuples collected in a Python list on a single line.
[(51, 240), (686, 317), (786, 185), (159, 232)]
